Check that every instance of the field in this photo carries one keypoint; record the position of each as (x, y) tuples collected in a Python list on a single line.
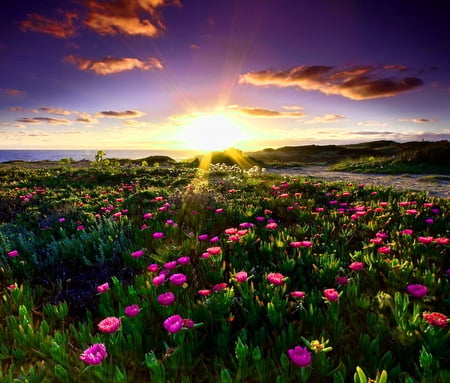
[(143, 274)]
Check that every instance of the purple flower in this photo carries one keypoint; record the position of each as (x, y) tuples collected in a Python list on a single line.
[(178, 279), (417, 291), (158, 235), (184, 260), (203, 237), (166, 299), (13, 253), (300, 356), (137, 254), (94, 354), (170, 265), (173, 323)]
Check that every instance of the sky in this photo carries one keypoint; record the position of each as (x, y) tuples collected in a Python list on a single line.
[(211, 74)]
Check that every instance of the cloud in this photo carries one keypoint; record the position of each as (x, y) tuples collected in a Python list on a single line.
[(371, 123), (86, 118), (12, 92), (355, 83), (416, 120), (112, 65), (57, 111), (59, 29), (374, 133), (130, 17), (123, 114), (292, 107), (16, 109), (327, 118), (261, 112), (44, 120)]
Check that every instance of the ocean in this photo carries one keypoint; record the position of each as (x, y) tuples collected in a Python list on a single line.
[(77, 155)]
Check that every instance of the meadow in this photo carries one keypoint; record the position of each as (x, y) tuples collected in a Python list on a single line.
[(145, 274)]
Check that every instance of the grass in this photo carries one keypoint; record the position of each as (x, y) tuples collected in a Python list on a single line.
[(136, 231)]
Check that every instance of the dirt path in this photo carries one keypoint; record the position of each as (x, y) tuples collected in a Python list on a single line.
[(419, 182)]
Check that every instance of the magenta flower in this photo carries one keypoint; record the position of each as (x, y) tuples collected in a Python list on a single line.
[(300, 356), (94, 354), (188, 323), (356, 266), (331, 295), (153, 268), (137, 254), (109, 325), (219, 287), (173, 324), (214, 239), (166, 299), (178, 279), (417, 290), (271, 226), (184, 260), (407, 232), (425, 240), (297, 294), (203, 237), (204, 293), (276, 278), (147, 215), (170, 265), (132, 311), (241, 276), (13, 253), (442, 241), (342, 280), (158, 235), (384, 250), (102, 288)]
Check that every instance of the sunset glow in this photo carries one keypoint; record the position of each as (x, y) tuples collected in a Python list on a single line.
[(211, 132)]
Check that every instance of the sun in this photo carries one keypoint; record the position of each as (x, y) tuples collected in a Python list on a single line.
[(210, 132)]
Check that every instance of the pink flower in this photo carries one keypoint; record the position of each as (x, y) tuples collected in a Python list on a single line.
[(204, 293), (231, 231), (219, 287), (214, 239), (153, 268), (331, 295), (241, 276), (158, 235), (166, 299), (173, 324), (159, 279), (436, 319), (203, 237), (384, 250), (407, 232), (276, 278), (411, 211), (425, 240), (297, 294), (178, 279), (13, 253), (442, 241), (102, 288), (109, 325), (137, 254), (356, 266), (94, 354), (188, 323), (132, 311), (300, 356), (271, 226), (214, 250), (417, 290)]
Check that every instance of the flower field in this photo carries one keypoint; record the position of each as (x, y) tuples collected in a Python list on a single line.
[(180, 275)]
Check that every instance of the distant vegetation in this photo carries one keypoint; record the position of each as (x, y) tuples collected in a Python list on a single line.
[(370, 157)]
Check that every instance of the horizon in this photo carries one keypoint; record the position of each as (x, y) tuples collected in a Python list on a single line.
[(204, 76)]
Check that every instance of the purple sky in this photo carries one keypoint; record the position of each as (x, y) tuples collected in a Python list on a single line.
[(206, 74)]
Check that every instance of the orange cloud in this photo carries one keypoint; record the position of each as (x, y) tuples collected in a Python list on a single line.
[(260, 112), (327, 118), (13, 92), (131, 17), (122, 114), (356, 83), (59, 29), (57, 111), (112, 65)]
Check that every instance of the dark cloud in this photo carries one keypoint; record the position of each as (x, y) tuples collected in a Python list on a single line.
[(417, 120), (112, 65), (44, 120), (356, 83), (59, 29), (131, 17), (123, 114)]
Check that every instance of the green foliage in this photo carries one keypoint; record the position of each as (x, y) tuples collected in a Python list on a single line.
[(75, 230)]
